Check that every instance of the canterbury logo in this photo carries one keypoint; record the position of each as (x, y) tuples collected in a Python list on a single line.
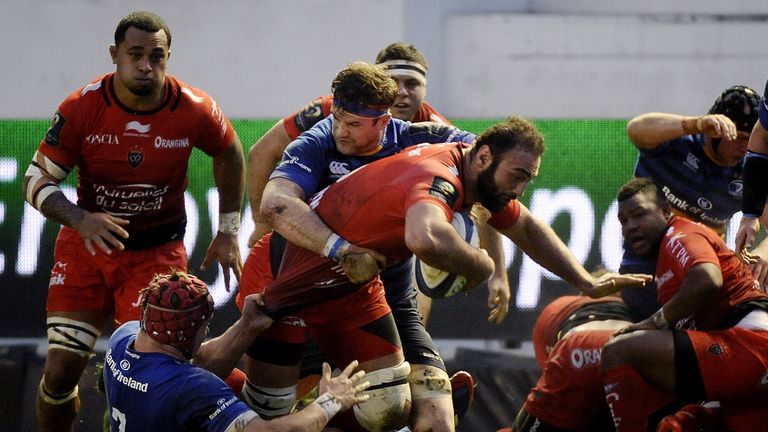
[(338, 168), (138, 127), (764, 380)]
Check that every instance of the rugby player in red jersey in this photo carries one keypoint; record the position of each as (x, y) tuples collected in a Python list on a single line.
[(129, 134), (397, 216), (708, 341)]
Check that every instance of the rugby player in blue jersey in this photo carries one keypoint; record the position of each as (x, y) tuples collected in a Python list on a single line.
[(152, 384)]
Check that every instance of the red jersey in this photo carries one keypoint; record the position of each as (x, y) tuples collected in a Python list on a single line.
[(320, 108), (569, 393), (687, 244), (546, 331), (367, 208), (134, 164)]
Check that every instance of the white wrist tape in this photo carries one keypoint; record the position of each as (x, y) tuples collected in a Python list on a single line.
[(333, 245), (659, 320), (229, 223), (329, 404)]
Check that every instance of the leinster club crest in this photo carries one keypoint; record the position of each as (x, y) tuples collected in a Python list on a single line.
[(135, 157)]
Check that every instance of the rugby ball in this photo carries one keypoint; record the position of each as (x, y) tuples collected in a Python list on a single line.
[(436, 283)]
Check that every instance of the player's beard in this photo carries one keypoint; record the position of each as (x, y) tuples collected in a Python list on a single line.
[(488, 191)]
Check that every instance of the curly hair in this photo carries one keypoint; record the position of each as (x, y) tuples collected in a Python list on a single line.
[(641, 184), (514, 133), (142, 20), (361, 83), (402, 51)]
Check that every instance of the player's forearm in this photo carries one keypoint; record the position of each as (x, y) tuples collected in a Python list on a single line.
[(59, 209), (258, 174), (651, 129), (263, 157), (284, 209), (700, 285), (490, 240), (310, 419), (540, 242), (221, 354), (229, 175)]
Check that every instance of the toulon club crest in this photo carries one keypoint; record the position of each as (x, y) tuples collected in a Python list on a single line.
[(135, 157)]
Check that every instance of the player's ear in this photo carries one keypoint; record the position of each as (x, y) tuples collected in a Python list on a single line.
[(113, 53), (484, 157)]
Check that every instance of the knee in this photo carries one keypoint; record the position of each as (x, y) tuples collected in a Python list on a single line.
[(429, 382), (389, 405), (62, 371), (614, 353), (434, 414)]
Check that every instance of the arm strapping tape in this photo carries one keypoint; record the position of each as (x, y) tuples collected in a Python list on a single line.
[(755, 184)]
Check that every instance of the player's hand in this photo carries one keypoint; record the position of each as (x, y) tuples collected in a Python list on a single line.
[(259, 230), (758, 265), (347, 387), (253, 315), (361, 264), (745, 236), (645, 324), (498, 298), (718, 126), (225, 250), (610, 283), (103, 230)]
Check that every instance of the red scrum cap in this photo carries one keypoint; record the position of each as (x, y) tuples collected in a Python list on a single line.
[(174, 307)]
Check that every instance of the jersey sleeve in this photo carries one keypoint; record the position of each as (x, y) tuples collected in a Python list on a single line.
[(303, 163), (215, 130), (440, 191), (62, 141), (210, 403), (507, 217), (308, 116), (431, 133), (691, 249), (130, 328), (427, 113), (762, 111)]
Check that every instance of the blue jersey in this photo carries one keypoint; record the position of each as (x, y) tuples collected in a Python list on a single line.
[(157, 392), (762, 111), (312, 162), (695, 186)]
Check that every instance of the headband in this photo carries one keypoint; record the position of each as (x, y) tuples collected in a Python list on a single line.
[(405, 67), (361, 110)]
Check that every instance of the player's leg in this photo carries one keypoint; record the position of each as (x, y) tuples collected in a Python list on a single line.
[(359, 326), (78, 306), (71, 338), (432, 406), (271, 365), (638, 372)]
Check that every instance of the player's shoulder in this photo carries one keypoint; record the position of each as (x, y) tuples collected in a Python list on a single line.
[(190, 98), (128, 329), (428, 113), (92, 93)]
